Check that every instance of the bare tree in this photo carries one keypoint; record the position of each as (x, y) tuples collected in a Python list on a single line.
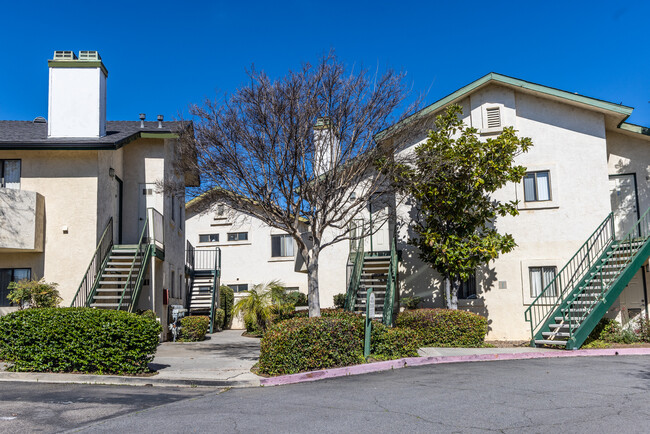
[(298, 150)]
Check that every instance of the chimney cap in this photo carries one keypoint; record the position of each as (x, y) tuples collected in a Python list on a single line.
[(39, 120), (143, 116)]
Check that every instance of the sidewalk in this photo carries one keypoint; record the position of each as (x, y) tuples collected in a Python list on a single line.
[(224, 359)]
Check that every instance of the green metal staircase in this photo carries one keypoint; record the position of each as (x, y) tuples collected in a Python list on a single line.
[(570, 306), (376, 270), (203, 268)]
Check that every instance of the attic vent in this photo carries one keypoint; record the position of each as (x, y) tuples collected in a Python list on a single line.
[(64, 55), (493, 117), (39, 120), (89, 55)]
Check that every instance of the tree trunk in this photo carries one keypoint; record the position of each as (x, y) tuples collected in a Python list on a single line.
[(313, 295), (448, 292), (455, 286)]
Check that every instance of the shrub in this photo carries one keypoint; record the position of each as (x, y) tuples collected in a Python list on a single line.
[(339, 301), (411, 303), (296, 298), (226, 303), (334, 339), (34, 293), (307, 344), (219, 316), (610, 331), (194, 328), (148, 314), (444, 327), (78, 340)]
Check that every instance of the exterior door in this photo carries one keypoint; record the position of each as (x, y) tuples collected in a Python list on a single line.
[(623, 196), (149, 198), (380, 224)]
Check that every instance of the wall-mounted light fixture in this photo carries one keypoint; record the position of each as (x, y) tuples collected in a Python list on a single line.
[(111, 172)]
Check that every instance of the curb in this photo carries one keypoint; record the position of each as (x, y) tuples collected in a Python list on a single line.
[(436, 360), (116, 380)]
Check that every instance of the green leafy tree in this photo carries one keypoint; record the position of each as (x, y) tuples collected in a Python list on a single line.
[(452, 178), (34, 293)]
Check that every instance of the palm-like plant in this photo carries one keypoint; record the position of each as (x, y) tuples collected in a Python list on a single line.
[(256, 307)]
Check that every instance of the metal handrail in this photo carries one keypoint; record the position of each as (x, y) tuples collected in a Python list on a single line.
[(93, 274), (391, 284), (127, 286), (550, 298), (215, 287), (356, 256)]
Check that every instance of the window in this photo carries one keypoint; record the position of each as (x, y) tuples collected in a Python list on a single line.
[(8, 275), (493, 117), (173, 285), (537, 186), (238, 287), (540, 278), (281, 245), (238, 236), (467, 288), (173, 208), (180, 215), (208, 238), (220, 212), (10, 174)]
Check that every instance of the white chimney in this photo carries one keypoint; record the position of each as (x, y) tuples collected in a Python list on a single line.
[(326, 146), (77, 98)]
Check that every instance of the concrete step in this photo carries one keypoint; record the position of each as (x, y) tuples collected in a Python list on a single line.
[(562, 326), (111, 297), (550, 342), (556, 334)]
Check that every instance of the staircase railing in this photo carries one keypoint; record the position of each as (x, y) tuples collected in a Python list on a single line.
[(189, 272), (391, 285), (149, 237), (88, 285), (626, 247), (557, 291), (215, 286), (355, 258)]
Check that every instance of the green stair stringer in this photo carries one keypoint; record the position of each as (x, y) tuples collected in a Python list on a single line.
[(623, 279), (140, 280)]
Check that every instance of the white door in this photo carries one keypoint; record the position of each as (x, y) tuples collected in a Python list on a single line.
[(622, 193), (380, 224), (149, 198)]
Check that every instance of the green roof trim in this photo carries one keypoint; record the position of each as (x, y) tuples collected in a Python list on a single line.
[(161, 135), (78, 64), (635, 128), (493, 77)]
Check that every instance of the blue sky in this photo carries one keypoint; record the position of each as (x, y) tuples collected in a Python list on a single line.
[(162, 55)]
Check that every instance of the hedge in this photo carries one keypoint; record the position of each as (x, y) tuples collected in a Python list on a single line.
[(219, 317), (332, 340), (78, 340), (226, 302), (194, 328), (444, 327)]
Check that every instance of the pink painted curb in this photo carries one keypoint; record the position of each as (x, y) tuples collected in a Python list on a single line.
[(435, 360)]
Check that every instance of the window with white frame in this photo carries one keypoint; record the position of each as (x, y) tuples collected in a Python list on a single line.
[(282, 246), (238, 287), (208, 238), (238, 236), (537, 186), (10, 174), (540, 278)]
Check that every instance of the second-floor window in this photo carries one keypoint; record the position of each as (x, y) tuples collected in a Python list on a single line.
[(281, 245), (238, 236), (208, 238), (537, 186), (10, 174)]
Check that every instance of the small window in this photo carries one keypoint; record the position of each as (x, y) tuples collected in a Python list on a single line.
[(493, 115), (209, 238), (180, 285), (467, 288), (537, 186), (238, 287), (238, 236), (281, 246), (173, 284), (173, 208), (8, 275), (540, 278), (10, 174)]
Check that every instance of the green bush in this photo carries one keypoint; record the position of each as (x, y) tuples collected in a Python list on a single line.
[(78, 340), (334, 339), (339, 301), (610, 331), (219, 316), (226, 302), (34, 294), (296, 298), (411, 303), (444, 327), (194, 328)]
